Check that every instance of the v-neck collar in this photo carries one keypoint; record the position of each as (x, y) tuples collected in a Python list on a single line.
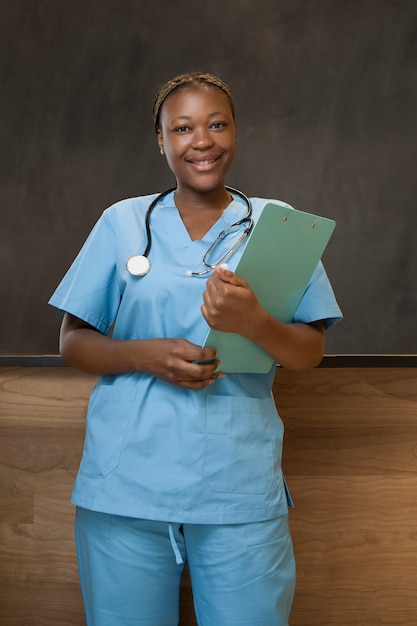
[(232, 213)]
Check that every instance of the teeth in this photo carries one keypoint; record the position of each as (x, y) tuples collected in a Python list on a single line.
[(204, 162)]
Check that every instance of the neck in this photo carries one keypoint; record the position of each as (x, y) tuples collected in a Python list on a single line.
[(214, 200), (199, 211)]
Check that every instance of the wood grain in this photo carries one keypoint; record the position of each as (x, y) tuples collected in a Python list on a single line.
[(350, 458)]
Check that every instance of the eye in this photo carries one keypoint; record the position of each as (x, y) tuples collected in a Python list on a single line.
[(181, 129), (218, 125)]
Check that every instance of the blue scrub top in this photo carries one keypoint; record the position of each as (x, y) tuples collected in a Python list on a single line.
[(153, 450)]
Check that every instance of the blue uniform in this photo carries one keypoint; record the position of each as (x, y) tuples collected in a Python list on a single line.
[(155, 451)]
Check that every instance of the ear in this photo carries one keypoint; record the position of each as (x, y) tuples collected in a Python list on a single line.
[(161, 142)]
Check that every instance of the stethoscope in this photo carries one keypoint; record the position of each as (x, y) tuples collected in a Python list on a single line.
[(139, 264)]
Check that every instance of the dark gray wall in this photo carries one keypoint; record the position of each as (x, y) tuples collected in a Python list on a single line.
[(326, 102)]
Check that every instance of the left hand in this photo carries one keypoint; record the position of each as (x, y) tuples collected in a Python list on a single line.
[(229, 303), (231, 306)]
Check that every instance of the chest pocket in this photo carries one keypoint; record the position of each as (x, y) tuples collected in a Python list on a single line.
[(239, 444), (108, 414)]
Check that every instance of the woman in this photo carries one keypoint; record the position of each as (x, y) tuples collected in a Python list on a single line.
[(181, 462)]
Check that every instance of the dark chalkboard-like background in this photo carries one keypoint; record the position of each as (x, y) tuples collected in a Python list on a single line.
[(326, 111)]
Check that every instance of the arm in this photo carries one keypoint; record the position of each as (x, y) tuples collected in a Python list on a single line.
[(171, 360), (295, 346)]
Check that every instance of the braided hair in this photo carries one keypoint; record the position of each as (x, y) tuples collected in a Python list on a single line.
[(188, 80)]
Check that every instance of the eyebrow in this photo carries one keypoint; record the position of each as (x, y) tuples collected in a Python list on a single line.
[(189, 117)]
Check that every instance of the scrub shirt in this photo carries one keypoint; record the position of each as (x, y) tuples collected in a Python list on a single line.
[(154, 450)]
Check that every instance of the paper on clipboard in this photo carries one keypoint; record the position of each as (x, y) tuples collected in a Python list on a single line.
[(279, 258)]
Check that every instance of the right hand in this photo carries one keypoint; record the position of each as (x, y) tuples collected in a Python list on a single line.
[(178, 362), (175, 361)]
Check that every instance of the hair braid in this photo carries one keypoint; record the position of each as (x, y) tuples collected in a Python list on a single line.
[(184, 80)]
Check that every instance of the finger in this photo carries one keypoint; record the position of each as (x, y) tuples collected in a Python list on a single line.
[(199, 369), (200, 383), (217, 283), (205, 370), (204, 311), (227, 276), (207, 355), (190, 353)]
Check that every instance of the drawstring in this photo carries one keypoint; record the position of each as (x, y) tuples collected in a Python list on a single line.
[(178, 558)]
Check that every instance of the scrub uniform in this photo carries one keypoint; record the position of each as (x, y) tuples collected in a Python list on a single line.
[(159, 456)]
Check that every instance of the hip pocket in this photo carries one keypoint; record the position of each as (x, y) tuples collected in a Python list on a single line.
[(239, 444), (108, 414)]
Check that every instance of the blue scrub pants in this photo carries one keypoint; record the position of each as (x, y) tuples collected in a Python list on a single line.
[(130, 571)]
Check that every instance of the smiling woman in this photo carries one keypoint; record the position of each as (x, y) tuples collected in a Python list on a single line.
[(196, 132), (180, 462)]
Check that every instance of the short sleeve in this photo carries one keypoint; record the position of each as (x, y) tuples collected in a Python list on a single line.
[(318, 301), (90, 289)]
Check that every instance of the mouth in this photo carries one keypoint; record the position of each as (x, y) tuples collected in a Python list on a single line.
[(207, 162), (204, 162)]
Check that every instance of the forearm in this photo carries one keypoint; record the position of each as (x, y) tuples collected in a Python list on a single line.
[(174, 360), (95, 353), (294, 346)]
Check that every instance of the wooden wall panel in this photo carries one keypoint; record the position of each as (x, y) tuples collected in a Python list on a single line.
[(350, 459), (41, 440)]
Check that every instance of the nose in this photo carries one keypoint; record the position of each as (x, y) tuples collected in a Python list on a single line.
[(202, 138)]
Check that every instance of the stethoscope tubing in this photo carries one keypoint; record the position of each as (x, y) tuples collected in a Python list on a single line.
[(139, 265)]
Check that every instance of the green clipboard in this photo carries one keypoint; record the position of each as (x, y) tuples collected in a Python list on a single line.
[(278, 260)]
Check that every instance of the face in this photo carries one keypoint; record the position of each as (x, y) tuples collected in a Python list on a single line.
[(198, 135)]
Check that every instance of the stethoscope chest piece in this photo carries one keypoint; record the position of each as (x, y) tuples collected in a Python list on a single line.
[(138, 265)]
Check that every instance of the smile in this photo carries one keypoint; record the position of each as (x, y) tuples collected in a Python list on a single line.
[(204, 162)]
